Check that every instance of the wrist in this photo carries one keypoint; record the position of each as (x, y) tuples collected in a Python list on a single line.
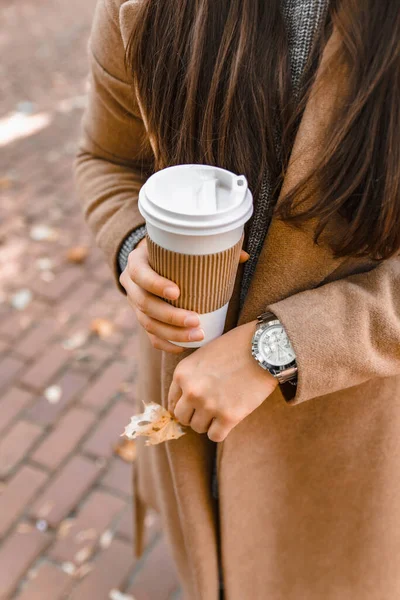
[(142, 242), (254, 369)]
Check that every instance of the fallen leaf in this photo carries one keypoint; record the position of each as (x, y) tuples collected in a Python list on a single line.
[(126, 450), (45, 509), (44, 264), (42, 525), (75, 341), (102, 327), (53, 394), (5, 183), (156, 423), (77, 254), (32, 573), (83, 555), (40, 233), (21, 299), (125, 387), (24, 528), (117, 595), (85, 535), (65, 528), (69, 568), (106, 539), (16, 126)]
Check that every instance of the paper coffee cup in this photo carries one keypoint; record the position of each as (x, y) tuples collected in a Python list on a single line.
[(195, 217)]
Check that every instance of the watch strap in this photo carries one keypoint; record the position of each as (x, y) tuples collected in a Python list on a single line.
[(289, 389), (265, 317)]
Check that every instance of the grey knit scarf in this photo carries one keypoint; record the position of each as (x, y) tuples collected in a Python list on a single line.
[(303, 19)]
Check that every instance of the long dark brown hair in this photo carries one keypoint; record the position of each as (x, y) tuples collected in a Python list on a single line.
[(214, 82)]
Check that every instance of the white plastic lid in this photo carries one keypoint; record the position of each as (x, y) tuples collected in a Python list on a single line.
[(197, 199)]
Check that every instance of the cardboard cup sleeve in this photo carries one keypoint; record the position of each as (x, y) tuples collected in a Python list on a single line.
[(206, 281)]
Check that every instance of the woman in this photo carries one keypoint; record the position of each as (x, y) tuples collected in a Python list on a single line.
[(302, 98)]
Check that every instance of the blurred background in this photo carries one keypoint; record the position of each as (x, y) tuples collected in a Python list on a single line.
[(67, 340)]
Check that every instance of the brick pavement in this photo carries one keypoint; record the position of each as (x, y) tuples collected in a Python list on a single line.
[(65, 516)]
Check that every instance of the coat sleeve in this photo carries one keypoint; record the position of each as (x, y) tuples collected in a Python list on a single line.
[(115, 156), (345, 332)]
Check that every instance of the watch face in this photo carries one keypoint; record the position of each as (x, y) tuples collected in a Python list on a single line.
[(275, 347)]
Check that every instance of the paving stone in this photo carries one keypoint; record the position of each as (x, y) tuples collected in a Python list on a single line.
[(18, 493), (80, 297), (125, 524), (111, 570), (107, 385), (92, 357), (131, 347), (9, 368), (16, 444), (103, 272), (17, 322), (69, 431), (42, 56), (107, 305), (94, 518), (12, 402), (49, 582), (108, 433), (61, 284), (72, 384), (17, 554), (126, 319), (4, 346), (45, 367), (119, 476), (36, 340), (65, 490), (157, 579)]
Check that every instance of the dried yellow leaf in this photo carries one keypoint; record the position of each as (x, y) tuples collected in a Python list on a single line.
[(155, 423), (126, 450), (102, 327), (77, 254), (83, 554)]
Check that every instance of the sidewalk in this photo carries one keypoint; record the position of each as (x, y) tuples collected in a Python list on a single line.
[(67, 341)]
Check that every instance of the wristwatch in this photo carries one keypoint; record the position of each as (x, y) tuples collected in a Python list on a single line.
[(273, 351)]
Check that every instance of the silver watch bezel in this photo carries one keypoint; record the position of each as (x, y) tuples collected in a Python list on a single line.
[(284, 372)]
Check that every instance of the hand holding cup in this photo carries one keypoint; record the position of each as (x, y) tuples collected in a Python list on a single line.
[(147, 293)]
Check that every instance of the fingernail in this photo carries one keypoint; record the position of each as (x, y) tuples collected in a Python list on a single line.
[(191, 321), (171, 293), (196, 335)]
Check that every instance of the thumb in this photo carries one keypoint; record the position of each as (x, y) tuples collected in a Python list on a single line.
[(244, 257)]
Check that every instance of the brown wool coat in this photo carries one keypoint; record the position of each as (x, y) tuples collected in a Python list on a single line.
[(309, 489)]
